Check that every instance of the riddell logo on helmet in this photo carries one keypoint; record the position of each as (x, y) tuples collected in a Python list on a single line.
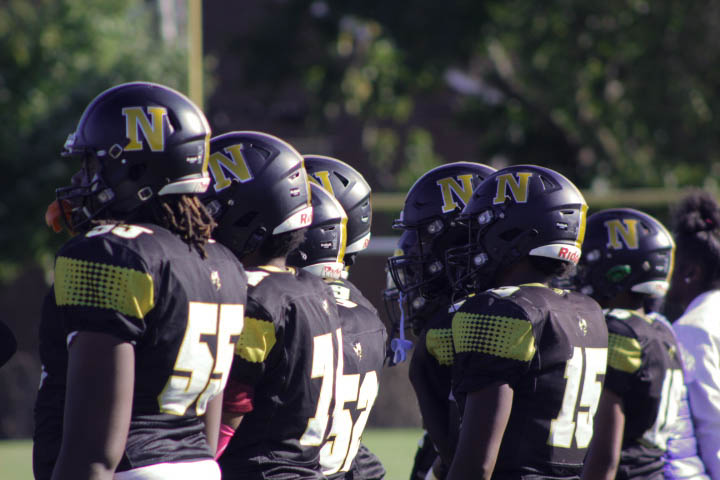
[(569, 255), (305, 219), (329, 271)]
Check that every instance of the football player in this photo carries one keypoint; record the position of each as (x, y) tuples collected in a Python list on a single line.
[(628, 256), (363, 333), (431, 207), (280, 393), (529, 360), (138, 331), (398, 307)]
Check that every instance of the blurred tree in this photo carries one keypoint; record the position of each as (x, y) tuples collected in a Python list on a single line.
[(618, 94), (615, 95), (55, 56)]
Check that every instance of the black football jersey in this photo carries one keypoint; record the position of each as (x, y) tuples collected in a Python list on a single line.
[(550, 346), (288, 352), (183, 315), (431, 374), (363, 338), (645, 370)]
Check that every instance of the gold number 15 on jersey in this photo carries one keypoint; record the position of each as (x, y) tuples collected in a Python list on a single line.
[(575, 419)]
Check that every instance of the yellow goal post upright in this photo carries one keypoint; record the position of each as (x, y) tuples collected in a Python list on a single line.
[(195, 53)]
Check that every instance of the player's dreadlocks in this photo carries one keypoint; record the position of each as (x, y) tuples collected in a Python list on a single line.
[(697, 233), (186, 216)]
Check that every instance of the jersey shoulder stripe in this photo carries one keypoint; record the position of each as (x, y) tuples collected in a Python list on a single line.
[(624, 353), (497, 335), (85, 283), (439, 344), (256, 340)]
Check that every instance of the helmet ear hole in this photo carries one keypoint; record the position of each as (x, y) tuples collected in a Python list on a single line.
[(342, 179)]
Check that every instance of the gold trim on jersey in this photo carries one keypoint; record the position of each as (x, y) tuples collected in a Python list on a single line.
[(82, 283), (439, 343), (256, 340), (624, 353), (496, 335)]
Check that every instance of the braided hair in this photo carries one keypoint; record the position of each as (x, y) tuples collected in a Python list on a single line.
[(186, 216), (696, 227)]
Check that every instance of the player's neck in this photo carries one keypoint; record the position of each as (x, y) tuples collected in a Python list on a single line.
[(624, 300), (520, 273), (254, 259)]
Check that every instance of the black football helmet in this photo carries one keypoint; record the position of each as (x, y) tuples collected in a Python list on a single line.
[(431, 207), (136, 140), (259, 188), (624, 249), (323, 250), (352, 191), (517, 211)]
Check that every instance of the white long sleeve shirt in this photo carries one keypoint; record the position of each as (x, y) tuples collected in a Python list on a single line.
[(698, 333)]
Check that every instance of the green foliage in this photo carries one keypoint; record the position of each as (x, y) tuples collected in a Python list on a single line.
[(55, 56), (620, 94)]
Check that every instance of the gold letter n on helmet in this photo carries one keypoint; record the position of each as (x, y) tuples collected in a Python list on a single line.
[(322, 178), (518, 187), (236, 166), (153, 128), (463, 191), (626, 230)]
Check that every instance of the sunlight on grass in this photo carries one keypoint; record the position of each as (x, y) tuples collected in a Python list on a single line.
[(394, 446), (16, 459)]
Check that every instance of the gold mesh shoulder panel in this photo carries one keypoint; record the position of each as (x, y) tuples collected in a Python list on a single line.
[(624, 353), (256, 340), (439, 343), (82, 283), (497, 335)]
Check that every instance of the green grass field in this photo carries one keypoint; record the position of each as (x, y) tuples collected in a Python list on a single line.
[(395, 447)]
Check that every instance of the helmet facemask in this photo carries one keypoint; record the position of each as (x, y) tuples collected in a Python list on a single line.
[(88, 196), (469, 266), (422, 272)]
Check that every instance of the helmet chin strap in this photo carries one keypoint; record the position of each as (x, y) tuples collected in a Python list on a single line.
[(400, 346)]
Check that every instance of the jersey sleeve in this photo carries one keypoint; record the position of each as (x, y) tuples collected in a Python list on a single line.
[(625, 357), (254, 346), (494, 343), (701, 354), (104, 287)]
